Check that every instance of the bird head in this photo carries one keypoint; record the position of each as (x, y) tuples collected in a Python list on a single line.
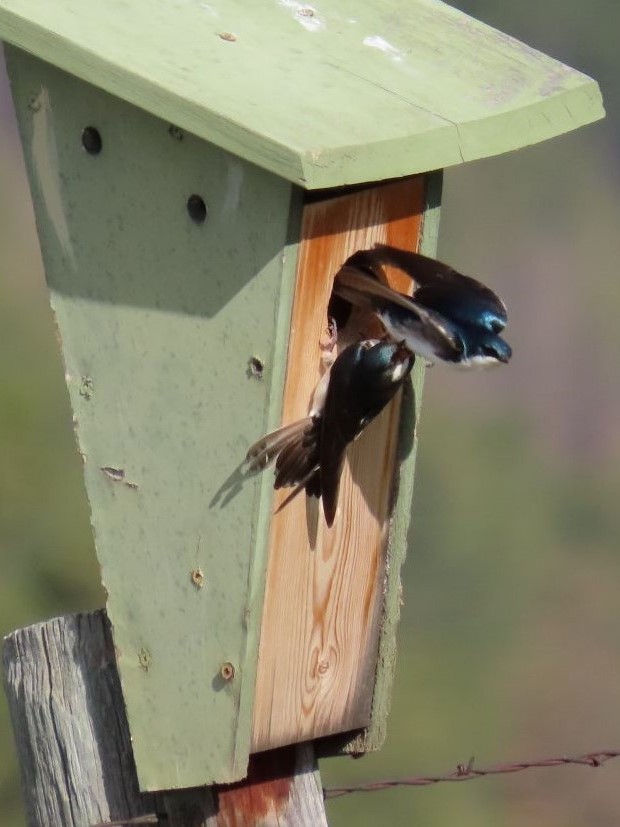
[(484, 349)]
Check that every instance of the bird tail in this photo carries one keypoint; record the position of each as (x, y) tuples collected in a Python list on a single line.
[(330, 474), (266, 449), (295, 448)]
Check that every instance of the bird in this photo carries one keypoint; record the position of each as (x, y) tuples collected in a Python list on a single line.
[(451, 317), (310, 452)]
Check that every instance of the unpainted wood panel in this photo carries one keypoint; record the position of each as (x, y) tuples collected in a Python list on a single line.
[(319, 638)]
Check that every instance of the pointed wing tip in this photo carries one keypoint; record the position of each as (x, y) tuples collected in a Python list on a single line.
[(330, 506), (329, 516)]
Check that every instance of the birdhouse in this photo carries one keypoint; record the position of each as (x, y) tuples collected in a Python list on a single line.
[(199, 172)]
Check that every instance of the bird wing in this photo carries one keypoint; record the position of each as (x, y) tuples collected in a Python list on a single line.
[(363, 290), (422, 269), (266, 449), (427, 272)]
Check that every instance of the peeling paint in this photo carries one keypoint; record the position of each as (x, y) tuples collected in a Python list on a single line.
[(116, 474), (197, 577), (305, 14), (86, 387), (376, 42), (145, 659)]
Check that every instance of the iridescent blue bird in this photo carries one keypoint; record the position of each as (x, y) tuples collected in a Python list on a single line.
[(310, 453), (451, 317)]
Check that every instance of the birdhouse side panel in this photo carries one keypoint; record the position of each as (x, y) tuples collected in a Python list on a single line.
[(402, 529), (329, 614), (171, 274)]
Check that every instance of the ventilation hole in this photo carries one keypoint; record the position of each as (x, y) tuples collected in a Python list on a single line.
[(175, 132), (91, 140), (197, 209), (255, 367)]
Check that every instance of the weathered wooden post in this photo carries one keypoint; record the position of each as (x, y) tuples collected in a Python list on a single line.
[(199, 172)]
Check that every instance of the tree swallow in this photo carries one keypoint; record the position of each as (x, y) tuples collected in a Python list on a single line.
[(310, 453), (450, 317)]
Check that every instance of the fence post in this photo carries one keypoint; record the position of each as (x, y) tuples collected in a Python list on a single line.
[(74, 747)]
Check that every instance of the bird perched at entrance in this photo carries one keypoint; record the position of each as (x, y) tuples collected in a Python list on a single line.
[(450, 317), (310, 453)]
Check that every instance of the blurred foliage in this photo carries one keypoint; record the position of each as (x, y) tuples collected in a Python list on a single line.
[(509, 637), (46, 551)]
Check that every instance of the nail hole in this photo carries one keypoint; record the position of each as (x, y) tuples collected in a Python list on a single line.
[(256, 367), (86, 387), (227, 671), (175, 132), (197, 578), (91, 140), (144, 659), (197, 209)]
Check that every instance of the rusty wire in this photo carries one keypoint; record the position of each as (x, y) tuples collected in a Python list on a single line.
[(136, 821), (462, 772), (465, 772)]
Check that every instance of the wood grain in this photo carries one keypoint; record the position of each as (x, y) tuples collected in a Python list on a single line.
[(320, 627), (74, 746), (283, 789), (69, 722)]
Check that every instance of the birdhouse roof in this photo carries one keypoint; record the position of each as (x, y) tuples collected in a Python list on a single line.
[(327, 95)]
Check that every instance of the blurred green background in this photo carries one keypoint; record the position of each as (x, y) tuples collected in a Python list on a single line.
[(510, 640)]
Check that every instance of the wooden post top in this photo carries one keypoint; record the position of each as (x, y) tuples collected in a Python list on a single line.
[(365, 91)]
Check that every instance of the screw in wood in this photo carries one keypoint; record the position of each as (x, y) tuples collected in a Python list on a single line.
[(227, 671)]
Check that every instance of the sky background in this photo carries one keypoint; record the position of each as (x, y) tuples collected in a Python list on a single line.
[(509, 640)]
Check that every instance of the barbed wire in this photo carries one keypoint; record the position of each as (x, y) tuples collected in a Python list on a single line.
[(466, 772), (462, 772), (136, 821)]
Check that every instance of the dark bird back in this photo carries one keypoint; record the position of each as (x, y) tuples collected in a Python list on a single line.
[(363, 380), (310, 453), (450, 317)]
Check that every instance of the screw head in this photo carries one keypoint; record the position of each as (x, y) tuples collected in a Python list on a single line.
[(227, 671), (197, 577)]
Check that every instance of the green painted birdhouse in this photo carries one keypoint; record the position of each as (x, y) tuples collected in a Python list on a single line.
[(199, 172)]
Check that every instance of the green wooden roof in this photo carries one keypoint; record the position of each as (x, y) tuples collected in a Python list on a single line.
[(336, 94)]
